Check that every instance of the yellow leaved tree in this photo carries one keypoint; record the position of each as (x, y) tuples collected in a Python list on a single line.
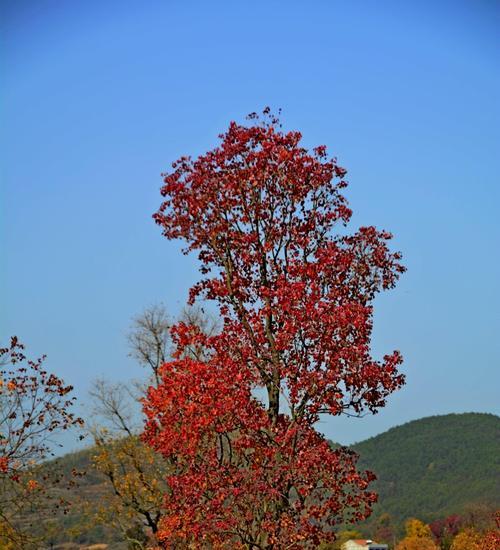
[(469, 539), (418, 537)]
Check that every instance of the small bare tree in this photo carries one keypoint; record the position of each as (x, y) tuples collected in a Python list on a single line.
[(149, 338)]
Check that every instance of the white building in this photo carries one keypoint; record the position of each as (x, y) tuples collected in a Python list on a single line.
[(363, 544)]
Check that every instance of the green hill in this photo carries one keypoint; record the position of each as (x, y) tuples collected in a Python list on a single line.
[(435, 466)]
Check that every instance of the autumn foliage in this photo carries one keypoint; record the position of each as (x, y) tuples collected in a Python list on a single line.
[(445, 529), (418, 537), (34, 406), (414, 543), (295, 294), (472, 539)]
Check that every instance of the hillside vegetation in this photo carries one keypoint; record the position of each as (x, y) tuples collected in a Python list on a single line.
[(435, 466), (428, 468)]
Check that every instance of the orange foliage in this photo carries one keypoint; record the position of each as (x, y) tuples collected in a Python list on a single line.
[(417, 543)]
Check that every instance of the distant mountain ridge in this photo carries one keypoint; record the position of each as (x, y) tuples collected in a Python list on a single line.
[(435, 466)]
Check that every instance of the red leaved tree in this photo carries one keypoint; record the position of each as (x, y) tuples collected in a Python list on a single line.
[(444, 530), (295, 297)]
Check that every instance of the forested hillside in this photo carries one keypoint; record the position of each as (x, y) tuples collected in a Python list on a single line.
[(435, 466)]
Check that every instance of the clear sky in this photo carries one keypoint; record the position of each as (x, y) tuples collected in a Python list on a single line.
[(99, 97)]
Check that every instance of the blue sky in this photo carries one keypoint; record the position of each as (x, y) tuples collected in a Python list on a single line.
[(98, 98)]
